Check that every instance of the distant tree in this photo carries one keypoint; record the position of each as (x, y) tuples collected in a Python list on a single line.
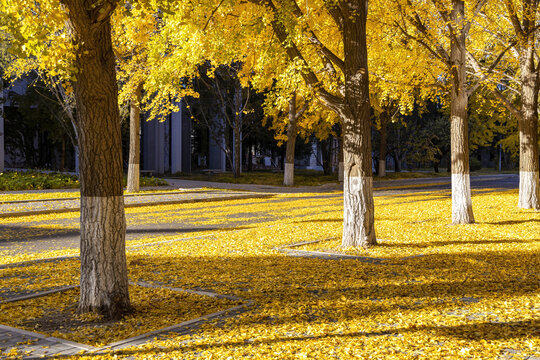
[(37, 116)]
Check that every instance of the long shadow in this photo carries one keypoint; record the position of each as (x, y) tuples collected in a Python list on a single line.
[(29, 234), (453, 242), (317, 220), (290, 287), (511, 222), (487, 275), (479, 331)]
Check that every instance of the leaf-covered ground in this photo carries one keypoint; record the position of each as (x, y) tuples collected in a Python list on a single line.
[(440, 291), (153, 309)]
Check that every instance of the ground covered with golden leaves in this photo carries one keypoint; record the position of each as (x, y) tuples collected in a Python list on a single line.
[(436, 291)]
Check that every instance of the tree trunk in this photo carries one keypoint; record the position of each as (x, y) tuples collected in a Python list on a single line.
[(462, 212), (288, 174), (2, 155), (134, 141), (358, 207), (237, 136), (529, 192), (382, 145), (340, 159), (397, 162), (326, 154), (104, 280), (237, 146), (250, 158), (63, 154)]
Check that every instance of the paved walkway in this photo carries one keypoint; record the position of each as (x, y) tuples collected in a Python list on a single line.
[(497, 181), (52, 205)]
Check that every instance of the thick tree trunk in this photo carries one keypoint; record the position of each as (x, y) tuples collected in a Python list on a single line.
[(529, 192), (382, 145), (358, 212), (288, 174), (462, 212), (134, 142), (104, 280)]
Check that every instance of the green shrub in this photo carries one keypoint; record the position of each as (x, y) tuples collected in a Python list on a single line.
[(33, 180)]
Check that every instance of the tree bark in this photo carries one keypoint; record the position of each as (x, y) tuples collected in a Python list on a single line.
[(358, 212), (104, 280), (288, 174), (326, 154), (529, 192), (462, 212), (397, 161), (340, 159), (250, 157), (237, 136), (382, 145), (63, 154), (134, 142), (2, 149)]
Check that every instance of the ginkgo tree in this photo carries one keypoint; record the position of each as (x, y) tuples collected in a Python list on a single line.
[(345, 91), (402, 74), (443, 28), (72, 39), (134, 26), (510, 33)]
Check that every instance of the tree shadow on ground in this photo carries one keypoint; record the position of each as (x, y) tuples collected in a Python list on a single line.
[(289, 291), (479, 331), (14, 234), (433, 243), (511, 222)]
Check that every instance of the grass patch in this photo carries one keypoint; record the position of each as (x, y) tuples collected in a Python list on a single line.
[(29, 180), (32, 180), (55, 315)]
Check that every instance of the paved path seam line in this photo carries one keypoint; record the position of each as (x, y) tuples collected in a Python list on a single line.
[(46, 337), (289, 250), (194, 191), (39, 294), (155, 203)]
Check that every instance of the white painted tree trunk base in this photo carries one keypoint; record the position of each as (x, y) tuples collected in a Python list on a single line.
[(341, 171), (358, 212), (529, 190), (382, 168), (133, 178), (288, 175), (462, 212), (103, 256)]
